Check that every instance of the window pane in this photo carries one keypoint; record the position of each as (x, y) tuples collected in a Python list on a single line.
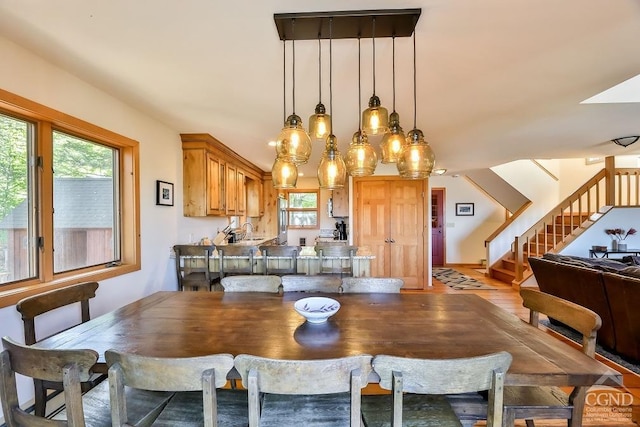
[(303, 200), (85, 225), (303, 219), (17, 229)]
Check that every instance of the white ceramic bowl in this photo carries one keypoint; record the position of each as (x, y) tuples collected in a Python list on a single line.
[(316, 309)]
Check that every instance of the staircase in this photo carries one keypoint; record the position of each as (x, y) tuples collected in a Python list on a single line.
[(564, 228), (570, 218)]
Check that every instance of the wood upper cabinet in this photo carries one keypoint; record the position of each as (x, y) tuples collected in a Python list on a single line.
[(232, 190), (389, 218), (241, 193), (340, 199), (255, 199), (216, 183), (215, 178)]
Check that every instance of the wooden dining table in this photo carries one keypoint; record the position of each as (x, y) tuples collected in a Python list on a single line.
[(187, 324)]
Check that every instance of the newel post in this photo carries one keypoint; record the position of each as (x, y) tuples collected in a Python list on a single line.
[(518, 257), (610, 181)]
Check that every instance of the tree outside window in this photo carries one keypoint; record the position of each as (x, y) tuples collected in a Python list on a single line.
[(303, 209)]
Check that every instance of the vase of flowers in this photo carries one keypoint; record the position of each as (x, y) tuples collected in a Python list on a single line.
[(619, 236)]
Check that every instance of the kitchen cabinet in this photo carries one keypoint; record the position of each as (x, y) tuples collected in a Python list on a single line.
[(340, 200), (216, 185), (389, 218), (215, 178), (255, 199)]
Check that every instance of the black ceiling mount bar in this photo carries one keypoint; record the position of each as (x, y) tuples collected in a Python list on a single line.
[(348, 24)]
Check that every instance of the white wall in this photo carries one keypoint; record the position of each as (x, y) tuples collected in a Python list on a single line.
[(622, 217), (160, 158), (465, 235)]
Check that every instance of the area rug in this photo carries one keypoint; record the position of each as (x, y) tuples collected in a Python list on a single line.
[(456, 280), (577, 337)]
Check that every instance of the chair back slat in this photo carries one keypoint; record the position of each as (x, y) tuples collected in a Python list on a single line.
[(169, 374), (441, 376), (304, 376), (68, 367), (303, 283), (577, 317), (251, 284), (32, 307), (387, 285)]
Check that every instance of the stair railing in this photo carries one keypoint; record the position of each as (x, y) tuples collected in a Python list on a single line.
[(562, 222)]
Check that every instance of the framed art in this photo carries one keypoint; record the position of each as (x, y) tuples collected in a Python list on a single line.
[(464, 209), (164, 193)]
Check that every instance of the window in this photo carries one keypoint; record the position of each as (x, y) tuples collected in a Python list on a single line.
[(69, 200), (303, 209)]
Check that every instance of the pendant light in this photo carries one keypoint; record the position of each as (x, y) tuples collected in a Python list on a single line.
[(332, 172), (361, 158), (284, 173), (375, 119), (293, 143), (319, 123), (416, 159), (394, 139)]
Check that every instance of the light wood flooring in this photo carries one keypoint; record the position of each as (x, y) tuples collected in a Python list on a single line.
[(509, 299)]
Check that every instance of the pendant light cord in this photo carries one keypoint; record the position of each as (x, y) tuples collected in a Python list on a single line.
[(319, 71), (415, 96), (393, 69), (373, 38), (359, 89), (331, 75), (293, 46), (284, 80)]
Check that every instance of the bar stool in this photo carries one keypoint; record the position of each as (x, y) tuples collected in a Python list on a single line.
[(237, 264), (283, 258)]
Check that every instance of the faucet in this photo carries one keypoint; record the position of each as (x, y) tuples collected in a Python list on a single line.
[(248, 230)]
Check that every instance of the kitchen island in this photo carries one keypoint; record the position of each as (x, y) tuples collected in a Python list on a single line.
[(307, 260)]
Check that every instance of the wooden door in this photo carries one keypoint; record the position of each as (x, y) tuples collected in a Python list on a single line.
[(371, 227), (389, 219), (406, 241), (437, 226)]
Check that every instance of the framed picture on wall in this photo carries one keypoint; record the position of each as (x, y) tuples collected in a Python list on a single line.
[(464, 209), (164, 193)]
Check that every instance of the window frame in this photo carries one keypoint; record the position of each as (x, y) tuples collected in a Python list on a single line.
[(47, 120), (316, 210)]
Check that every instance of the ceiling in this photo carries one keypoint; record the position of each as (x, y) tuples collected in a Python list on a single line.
[(497, 80)]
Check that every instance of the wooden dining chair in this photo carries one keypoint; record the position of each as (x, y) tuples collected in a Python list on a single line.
[(67, 367), (310, 393), (336, 259), (195, 382), (383, 285), (252, 284), (192, 267), (304, 283), (237, 260), (418, 387), (531, 403), (280, 260), (32, 307)]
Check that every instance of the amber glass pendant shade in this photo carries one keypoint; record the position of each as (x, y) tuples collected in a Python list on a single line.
[(332, 172), (293, 143), (284, 174), (416, 159), (361, 158), (375, 119), (393, 140), (319, 124)]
